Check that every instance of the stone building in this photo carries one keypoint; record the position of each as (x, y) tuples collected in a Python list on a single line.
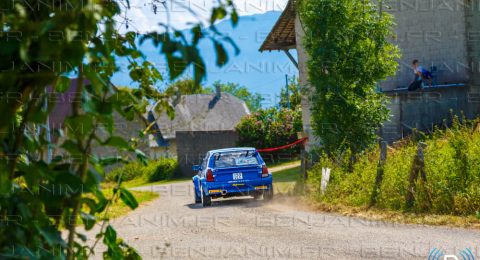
[(443, 35)]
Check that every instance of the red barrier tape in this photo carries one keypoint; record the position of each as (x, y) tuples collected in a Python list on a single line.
[(282, 147)]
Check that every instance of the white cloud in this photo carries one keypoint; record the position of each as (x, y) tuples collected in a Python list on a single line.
[(143, 16)]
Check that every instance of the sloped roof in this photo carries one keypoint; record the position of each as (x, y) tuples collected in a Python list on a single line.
[(282, 36), (62, 103), (201, 112)]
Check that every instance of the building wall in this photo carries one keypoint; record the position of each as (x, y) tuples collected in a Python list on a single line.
[(473, 43), (192, 146), (433, 32), (306, 88), (169, 151), (422, 110)]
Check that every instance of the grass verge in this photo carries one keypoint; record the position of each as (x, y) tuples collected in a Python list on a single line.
[(395, 216), (119, 208), (285, 180), (142, 182)]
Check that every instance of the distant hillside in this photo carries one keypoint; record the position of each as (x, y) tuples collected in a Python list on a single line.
[(260, 72)]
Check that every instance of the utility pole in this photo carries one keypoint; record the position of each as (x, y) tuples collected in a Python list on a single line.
[(288, 94)]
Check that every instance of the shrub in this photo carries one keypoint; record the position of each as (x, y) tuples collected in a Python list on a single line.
[(271, 127), (128, 172), (162, 169)]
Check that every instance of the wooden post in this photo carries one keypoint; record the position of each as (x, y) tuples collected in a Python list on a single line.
[(418, 169), (380, 172), (303, 155), (303, 166)]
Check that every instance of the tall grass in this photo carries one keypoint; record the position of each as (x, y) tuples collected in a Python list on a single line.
[(452, 165)]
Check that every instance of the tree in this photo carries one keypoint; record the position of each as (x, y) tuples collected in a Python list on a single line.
[(253, 100), (185, 86), (349, 52), (294, 95), (82, 36), (268, 128)]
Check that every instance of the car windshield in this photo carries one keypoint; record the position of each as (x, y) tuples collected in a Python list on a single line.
[(233, 159)]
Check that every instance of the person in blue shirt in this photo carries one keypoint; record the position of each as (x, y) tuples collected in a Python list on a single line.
[(420, 74)]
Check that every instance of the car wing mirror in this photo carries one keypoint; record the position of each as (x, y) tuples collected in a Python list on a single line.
[(196, 168)]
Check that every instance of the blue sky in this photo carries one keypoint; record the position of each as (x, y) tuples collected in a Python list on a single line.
[(263, 73), (182, 12)]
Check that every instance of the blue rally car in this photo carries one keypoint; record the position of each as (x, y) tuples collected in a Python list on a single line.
[(231, 172)]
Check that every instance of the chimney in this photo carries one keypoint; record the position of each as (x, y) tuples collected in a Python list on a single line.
[(218, 91), (218, 95)]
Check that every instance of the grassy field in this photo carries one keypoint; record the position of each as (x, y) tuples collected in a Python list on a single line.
[(282, 163), (118, 208), (286, 178)]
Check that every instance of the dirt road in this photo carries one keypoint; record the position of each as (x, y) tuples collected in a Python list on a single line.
[(173, 227)]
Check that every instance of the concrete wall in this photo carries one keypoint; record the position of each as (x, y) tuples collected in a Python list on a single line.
[(424, 109), (192, 146), (473, 43), (306, 88), (169, 151), (433, 32)]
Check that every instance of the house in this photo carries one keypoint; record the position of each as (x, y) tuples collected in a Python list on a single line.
[(63, 108), (202, 122), (441, 34)]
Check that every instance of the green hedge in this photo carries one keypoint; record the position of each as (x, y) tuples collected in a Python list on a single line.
[(158, 170), (452, 165), (269, 128)]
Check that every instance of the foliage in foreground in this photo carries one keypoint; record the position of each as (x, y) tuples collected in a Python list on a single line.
[(452, 164), (269, 128), (349, 52), (162, 169), (41, 44)]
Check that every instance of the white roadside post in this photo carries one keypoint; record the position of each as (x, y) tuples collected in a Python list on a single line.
[(325, 179)]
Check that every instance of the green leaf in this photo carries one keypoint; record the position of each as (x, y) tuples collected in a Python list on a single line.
[(234, 17), (52, 235), (106, 161), (62, 84), (117, 141), (222, 56), (218, 13), (110, 237), (176, 66), (71, 147), (128, 198), (81, 125), (88, 220), (5, 182)]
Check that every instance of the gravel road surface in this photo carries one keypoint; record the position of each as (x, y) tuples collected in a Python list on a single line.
[(173, 227)]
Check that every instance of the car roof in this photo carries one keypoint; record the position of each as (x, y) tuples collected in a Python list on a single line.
[(236, 149)]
